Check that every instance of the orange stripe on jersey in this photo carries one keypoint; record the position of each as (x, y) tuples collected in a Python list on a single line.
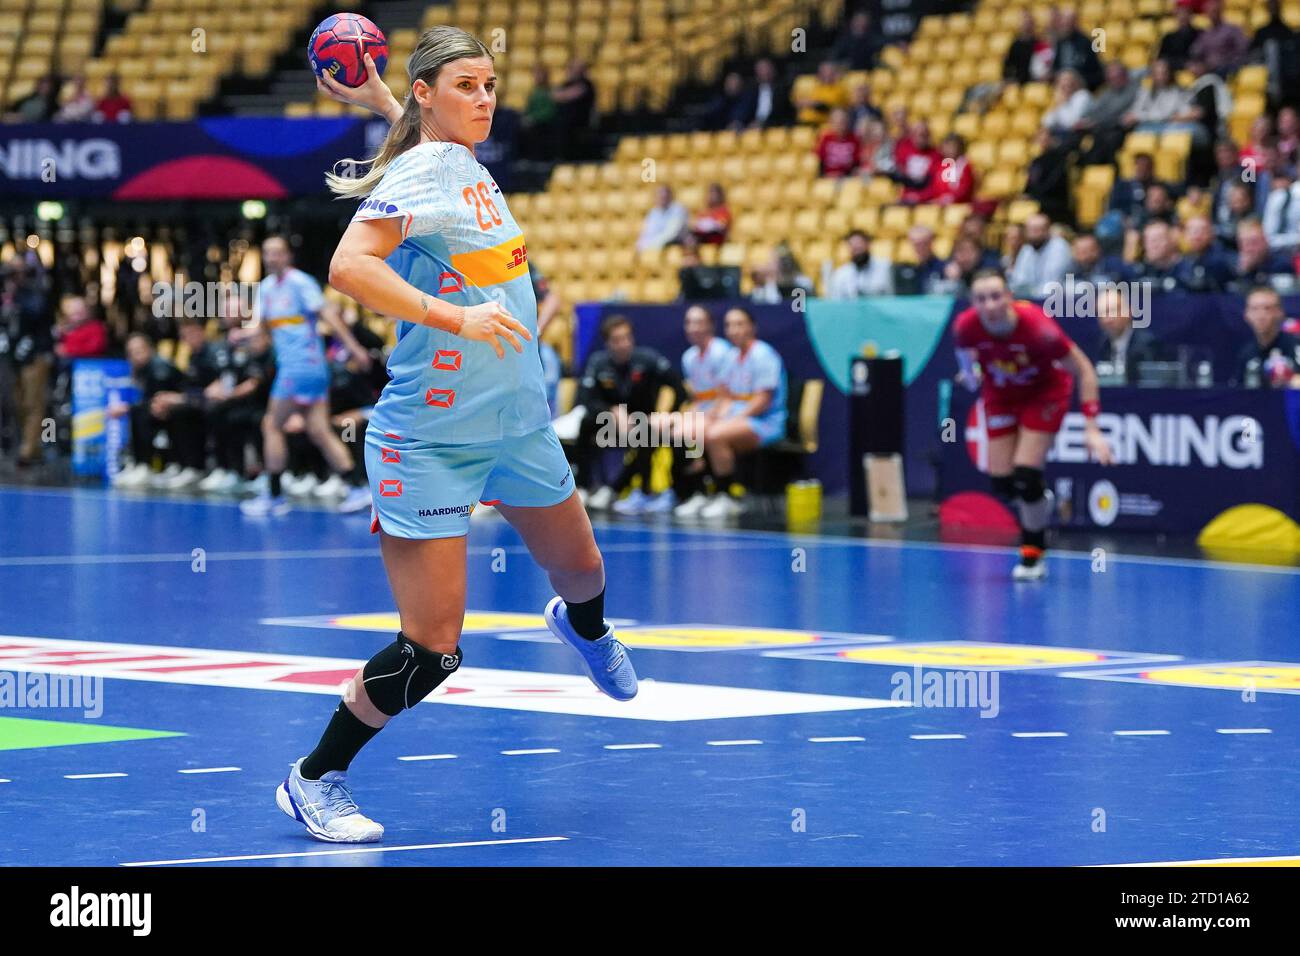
[(503, 262), (280, 320)]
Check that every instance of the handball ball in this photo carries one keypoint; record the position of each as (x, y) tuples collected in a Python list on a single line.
[(339, 45)]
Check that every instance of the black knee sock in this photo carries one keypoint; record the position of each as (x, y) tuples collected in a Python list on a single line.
[(273, 483), (588, 617), (343, 739)]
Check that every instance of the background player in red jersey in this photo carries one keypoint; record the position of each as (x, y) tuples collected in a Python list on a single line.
[(1025, 368)]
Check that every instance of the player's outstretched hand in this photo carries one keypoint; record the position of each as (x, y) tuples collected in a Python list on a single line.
[(491, 322), (1098, 447), (373, 94)]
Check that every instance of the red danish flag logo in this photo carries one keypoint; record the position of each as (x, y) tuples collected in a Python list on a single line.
[(390, 487), (450, 282), (392, 436), (390, 455), (448, 360), (440, 397)]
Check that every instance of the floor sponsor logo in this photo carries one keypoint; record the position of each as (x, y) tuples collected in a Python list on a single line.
[(972, 655), (469, 687), (1274, 677)]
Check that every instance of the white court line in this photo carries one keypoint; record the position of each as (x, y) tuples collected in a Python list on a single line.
[(523, 753), (1243, 730), (835, 740), (429, 757), (1141, 733), (1040, 733), (633, 746), (1223, 861), (369, 849), (212, 770), (938, 736), (733, 743), (5, 780), (90, 776)]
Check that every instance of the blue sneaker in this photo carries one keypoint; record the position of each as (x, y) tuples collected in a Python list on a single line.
[(605, 660), (326, 808)]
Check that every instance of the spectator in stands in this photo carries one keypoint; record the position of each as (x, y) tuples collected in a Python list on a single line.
[(1013, 240), (1176, 46), (1261, 134), (861, 108), (1205, 266), (79, 333), (872, 135), (915, 160), (1160, 262), (1256, 263), (26, 335), (1222, 46), (1240, 206), (1029, 58), (40, 105), (968, 257), (952, 179), (575, 101), (1157, 104), (79, 107), (1104, 117), (857, 47), (537, 125), (1128, 196), (1088, 263), (154, 376), (1277, 46), (1073, 50), (1272, 358), (1280, 215), (827, 92), (1228, 170), (1288, 135), (922, 276), (1122, 346), (767, 101), (754, 413), (779, 278), (712, 223), (1042, 261), (1268, 166), (664, 223), (114, 106), (1070, 101), (863, 274), (1157, 206), (1208, 106), (839, 150), (620, 379), (975, 228), (1048, 179), (728, 109), (183, 407)]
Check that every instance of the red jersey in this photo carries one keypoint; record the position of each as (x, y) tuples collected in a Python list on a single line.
[(1023, 365)]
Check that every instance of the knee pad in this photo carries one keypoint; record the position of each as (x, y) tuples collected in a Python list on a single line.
[(404, 673), (1028, 483), (1004, 487)]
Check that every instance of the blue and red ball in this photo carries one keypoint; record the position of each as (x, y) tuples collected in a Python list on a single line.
[(339, 44)]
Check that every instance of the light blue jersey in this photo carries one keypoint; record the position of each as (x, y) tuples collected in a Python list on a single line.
[(289, 305), (756, 370), (461, 244), (706, 371)]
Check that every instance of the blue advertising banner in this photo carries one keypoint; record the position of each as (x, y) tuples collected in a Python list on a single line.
[(97, 438), (1182, 457)]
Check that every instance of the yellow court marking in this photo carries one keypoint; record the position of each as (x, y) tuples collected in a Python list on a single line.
[(972, 655), (715, 637), (491, 621), (1230, 676), (1239, 861)]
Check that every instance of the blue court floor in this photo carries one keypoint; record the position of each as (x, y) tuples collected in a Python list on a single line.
[(806, 700)]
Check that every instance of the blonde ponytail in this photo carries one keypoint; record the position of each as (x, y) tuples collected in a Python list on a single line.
[(437, 47)]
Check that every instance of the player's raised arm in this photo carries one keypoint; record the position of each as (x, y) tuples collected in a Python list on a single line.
[(1079, 365)]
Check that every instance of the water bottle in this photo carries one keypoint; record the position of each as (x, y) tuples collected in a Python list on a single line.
[(1252, 379), (1204, 374)]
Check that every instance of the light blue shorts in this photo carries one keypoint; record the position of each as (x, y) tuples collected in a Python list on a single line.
[(303, 386), (422, 489), (769, 429)]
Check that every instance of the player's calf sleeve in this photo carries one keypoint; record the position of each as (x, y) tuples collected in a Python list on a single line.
[(404, 673), (1035, 506)]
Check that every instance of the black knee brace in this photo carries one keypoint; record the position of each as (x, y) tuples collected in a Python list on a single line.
[(1004, 488), (1028, 483), (404, 673)]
